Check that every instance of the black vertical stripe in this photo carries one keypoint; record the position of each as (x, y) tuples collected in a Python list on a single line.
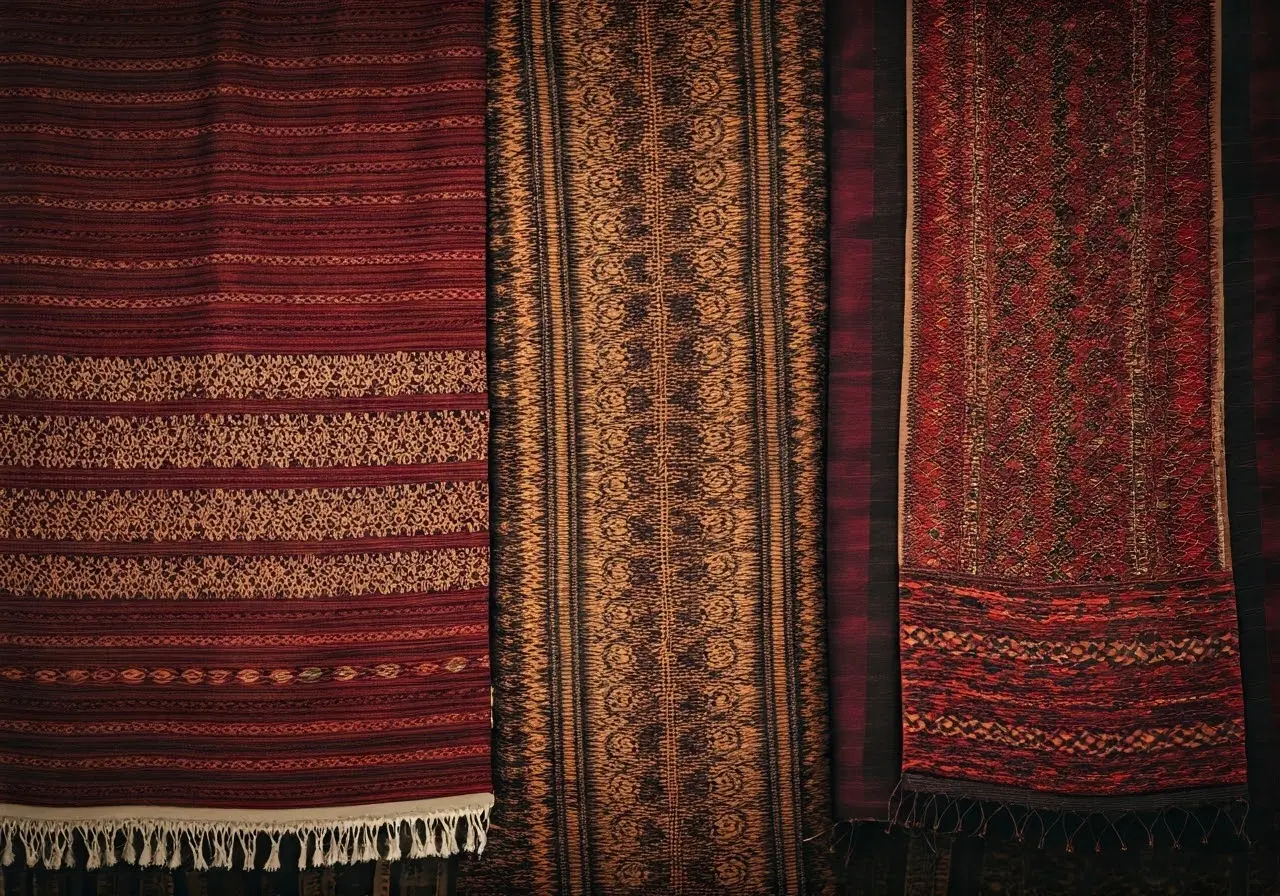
[(752, 272), (786, 524), (1242, 474), (553, 629), (559, 143)]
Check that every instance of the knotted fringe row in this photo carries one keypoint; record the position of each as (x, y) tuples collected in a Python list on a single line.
[(935, 807), (220, 844)]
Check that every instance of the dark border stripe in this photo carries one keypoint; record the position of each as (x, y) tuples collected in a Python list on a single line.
[(1017, 796), (1241, 473), (1264, 190), (749, 28), (867, 147)]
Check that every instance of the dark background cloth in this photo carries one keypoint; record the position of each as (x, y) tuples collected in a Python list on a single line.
[(1250, 219), (866, 135), (1251, 32)]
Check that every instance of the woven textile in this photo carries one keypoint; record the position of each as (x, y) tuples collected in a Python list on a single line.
[(1263, 26), (866, 49), (244, 562), (1246, 319), (657, 246), (1068, 619)]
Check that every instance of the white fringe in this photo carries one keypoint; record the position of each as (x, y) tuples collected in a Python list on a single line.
[(219, 844)]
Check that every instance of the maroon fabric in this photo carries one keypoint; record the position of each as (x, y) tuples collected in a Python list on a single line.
[(866, 49), (1264, 89), (243, 425), (1068, 610)]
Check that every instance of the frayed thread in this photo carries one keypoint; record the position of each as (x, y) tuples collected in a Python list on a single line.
[(1175, 825), (216, 844)]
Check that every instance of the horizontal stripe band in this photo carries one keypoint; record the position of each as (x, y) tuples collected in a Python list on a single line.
[(205, 200), (244, 440), (275, 763), (232, 56), (245, 515), (240, 478), (237, 640), (145, 97), (1125, 652), (59, 576), (249, 677), (186, 728), (452, 296), (1090, 743)]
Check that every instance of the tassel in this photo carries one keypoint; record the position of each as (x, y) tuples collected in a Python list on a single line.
[(273, 859), (221, 849), (197, 853), (418, 847), (215, 844), (249, 846)]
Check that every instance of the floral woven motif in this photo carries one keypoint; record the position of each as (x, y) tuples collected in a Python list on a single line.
[(243, 433), (1068, 616), (657, 238)]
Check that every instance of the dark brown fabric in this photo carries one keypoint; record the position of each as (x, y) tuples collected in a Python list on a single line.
[(890, 864), (657, 344)]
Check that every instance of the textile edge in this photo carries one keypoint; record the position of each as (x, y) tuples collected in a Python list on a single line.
[(947, 806), (166, 836)]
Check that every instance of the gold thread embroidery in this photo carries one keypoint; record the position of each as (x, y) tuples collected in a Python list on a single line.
[(81, 262), (248, 677), (192, 441), (1089, 743), (59, 576), (218, 376), (156, 515), (1121, 653)]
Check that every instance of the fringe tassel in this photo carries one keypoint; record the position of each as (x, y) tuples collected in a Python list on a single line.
[(946, 814), (215, 844)]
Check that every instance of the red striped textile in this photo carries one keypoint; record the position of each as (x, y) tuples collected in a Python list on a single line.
[(243, 487)]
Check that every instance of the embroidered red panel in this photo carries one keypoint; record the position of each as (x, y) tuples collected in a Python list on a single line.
[(1068, 620)]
